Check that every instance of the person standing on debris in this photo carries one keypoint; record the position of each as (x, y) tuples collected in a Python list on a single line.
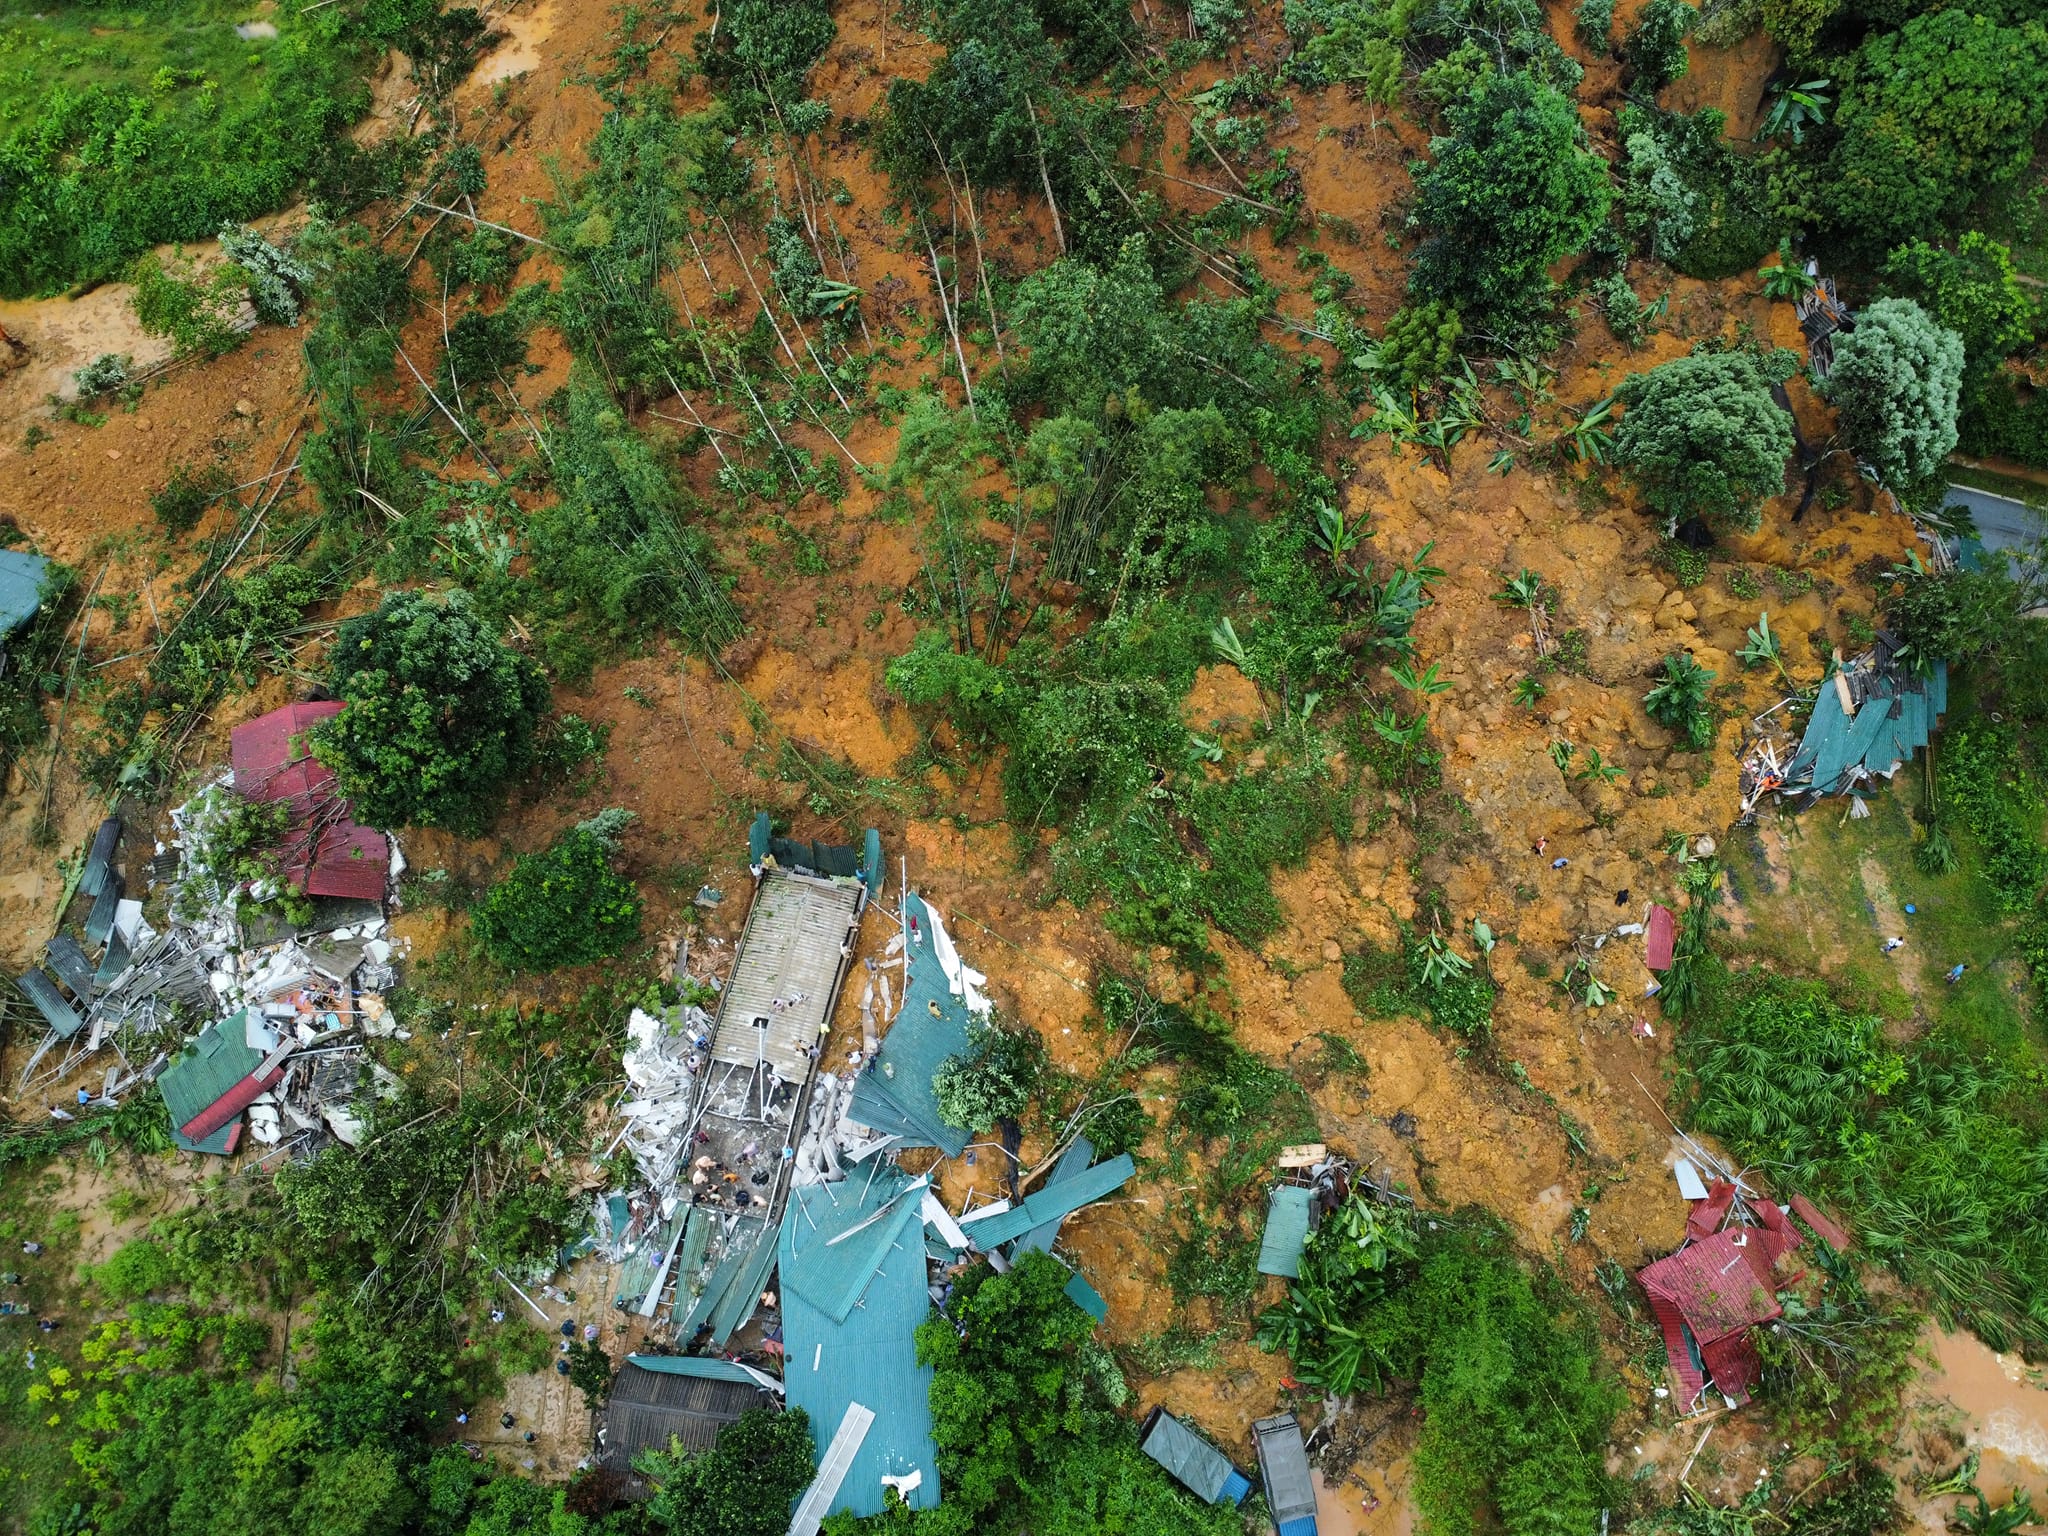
[(84, 1097), (1559, 863), (506, 1421), (497, 1314), (590, 1333), (1892, 944), (32, 1249), (1956, 975)]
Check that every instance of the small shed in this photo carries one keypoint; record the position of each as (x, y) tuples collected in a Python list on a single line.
[(1287, 1221), (325, 852), (1205, 1471), (683, 1398), (1283, 1468)]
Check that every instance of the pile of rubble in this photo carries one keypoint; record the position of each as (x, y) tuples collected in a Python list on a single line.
[(248, 1006)]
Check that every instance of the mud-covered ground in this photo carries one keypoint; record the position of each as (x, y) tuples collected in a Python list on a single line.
[(682, 745)]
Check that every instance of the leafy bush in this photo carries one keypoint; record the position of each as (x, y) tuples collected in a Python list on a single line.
[(1512, 191), (563, 906), (194, 313), (186, 496), (1984, 779), (1024, 1424), (1593, 21), (1896, 385), (103, 375), (993, 1082), (1933, 1155), (1417, 348), (1656, 48), (440, 714), (1340, 42), (1688, 197), (1702, 437), (1931, 117), (743, 1486), (1679, 700), (1971, 290), (1516, 1402), (276, 279)]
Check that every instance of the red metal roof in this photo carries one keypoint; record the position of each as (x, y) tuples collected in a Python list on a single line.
[(1828, 1230), (230, 1104), (326, 852), (1660, 938), (1708, 1214), (1722, 1286)]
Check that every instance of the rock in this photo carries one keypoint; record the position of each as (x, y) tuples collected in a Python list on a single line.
[(1704, 847), (245, 407), (144, 424), (113, 453), (1332, 954)]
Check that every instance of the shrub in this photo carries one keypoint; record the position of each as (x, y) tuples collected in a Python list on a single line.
[(194, 313), (1895, 385), (1679, 701), (565, 905), (276, 279), (1656, 49), (186, 496), (1688, 197), (1593, 21), (992, 1082), (440, 715), (1984, 780), (1417, 348), (103, 375), (1702, 437), (743, 1486), (1512, 191)]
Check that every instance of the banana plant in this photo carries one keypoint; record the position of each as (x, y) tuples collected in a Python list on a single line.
[(1789, 280), (829, 297), (1482, 935), (1763, 647), (1561, 754), (1228, 645), (1440, 962), (1388, 725), (1590, 438), (1428, 684), (1595, 768), (1795, 108)]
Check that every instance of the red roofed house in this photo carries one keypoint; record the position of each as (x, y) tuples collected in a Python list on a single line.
[(1708, 1295), (326, 853)]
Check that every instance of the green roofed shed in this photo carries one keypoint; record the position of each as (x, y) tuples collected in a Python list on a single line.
[(1287, 1213)]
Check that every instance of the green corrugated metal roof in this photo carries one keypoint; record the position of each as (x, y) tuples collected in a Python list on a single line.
[(1076, 1159), (219, 1057), (895, 1092), (22, 576), (1086, 1297), (1053, 1202), (744, 1295), (1286, 1231), (1200, 1467), (708, 1367), (870, 1357), (834, 1274)]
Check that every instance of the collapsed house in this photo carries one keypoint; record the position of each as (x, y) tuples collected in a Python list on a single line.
[(249, 1006), (1312, 1184), (773, 1218), (1712, 1294), (1871, 715), (686, 1400)]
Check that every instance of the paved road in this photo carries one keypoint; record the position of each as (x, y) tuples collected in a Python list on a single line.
[(2002, 523)]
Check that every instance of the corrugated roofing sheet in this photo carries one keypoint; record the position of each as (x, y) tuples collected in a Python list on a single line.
[(871, 1356), (326, 852), (40, 990), (1205, 1471), (709, 1367), (1715, 1284), (1054, 1202), (1079, 1155), (22, 576), (846, 1239), (781, 988), (1085, 1296), (1283, 1468), (1286, 1232), (894, 1093), (206, 1071), (648, 1407)]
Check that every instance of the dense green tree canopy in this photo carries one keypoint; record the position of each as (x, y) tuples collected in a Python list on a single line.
[(1896, 383), (1703, 437), (565, 905), (440, 714), (1930, 117), (1972, 290), (743, 1486), (1513, 190)]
